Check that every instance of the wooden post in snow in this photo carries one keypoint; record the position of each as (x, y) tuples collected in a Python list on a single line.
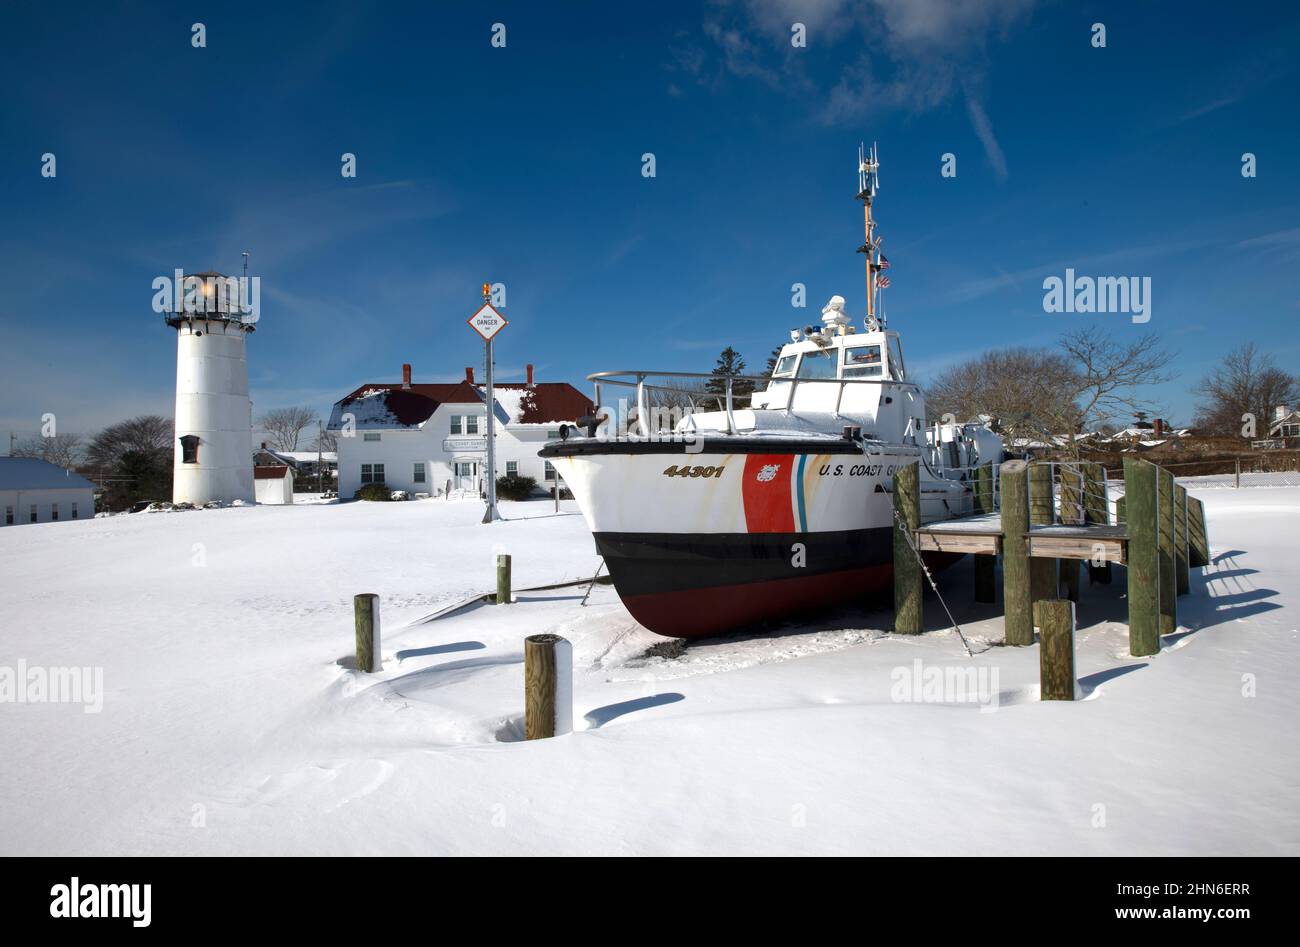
[(503, 580), (907, 570), (1097, 512), (1182, 574), (1042, 512), (986, 567), (365, 611), (1056, 650), (1143, 557), (548, 686), (1017, 603), (1072, 512), (1198, 546), (1168, 579)]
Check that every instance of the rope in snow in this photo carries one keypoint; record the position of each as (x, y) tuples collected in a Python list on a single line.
[(921, 561)]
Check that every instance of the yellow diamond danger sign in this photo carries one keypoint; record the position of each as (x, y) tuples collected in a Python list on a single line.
[(487, 322)]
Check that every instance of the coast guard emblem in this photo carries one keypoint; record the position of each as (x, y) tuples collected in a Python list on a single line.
[(768, 473)]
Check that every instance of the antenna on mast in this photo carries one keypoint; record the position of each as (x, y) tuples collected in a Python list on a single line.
[(868, 184)]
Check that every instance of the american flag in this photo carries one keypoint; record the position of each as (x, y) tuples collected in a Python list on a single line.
[(884, 262), (883, 281)]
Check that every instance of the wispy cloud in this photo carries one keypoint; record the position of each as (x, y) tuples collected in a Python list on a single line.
[(984, 130)]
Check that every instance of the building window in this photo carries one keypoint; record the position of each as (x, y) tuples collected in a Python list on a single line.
[(9, 516), (512, 468), (370, 437), (419, 473), (550, 471), (54, 512), (456, 424), (372, 473), (33, 518), (190, 449), (74, 511), (471, 424)]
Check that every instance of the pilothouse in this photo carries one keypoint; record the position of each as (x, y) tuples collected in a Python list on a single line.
[(770, 498)]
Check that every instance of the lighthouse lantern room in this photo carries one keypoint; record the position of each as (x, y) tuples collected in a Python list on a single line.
[(214, 416)]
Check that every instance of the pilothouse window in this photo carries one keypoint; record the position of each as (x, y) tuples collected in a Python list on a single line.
[(817, 365), (862, 361), (785, 366)]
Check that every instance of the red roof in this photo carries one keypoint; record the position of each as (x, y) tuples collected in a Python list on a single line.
[(269, 472), (551, 402)]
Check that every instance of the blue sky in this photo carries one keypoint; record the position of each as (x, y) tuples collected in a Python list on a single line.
[(523, 165)]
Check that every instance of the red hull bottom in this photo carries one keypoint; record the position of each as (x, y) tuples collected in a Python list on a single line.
[(704, 612)]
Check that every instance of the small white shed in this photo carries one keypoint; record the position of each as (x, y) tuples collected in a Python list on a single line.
[(273, 484)]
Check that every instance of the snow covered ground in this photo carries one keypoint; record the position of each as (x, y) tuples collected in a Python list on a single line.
[(231, 721)]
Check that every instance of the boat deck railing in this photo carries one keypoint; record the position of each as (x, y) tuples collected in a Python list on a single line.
[(682, 389)]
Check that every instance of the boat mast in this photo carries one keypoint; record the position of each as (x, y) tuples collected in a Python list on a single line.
[(868, 182)]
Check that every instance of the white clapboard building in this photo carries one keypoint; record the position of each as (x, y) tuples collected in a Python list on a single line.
[(432, 438), (36, 491)]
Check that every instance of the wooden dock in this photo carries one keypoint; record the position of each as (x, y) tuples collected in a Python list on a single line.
[(1159, 535), (981, 535)]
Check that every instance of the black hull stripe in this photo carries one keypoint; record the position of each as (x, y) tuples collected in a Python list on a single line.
[(649, 563)]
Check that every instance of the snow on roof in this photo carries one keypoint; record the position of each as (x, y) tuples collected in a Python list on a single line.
[(30, 473), (308, 456)]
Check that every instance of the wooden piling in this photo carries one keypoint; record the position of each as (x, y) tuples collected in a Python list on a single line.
[(503, 580), (1017, 601), (1168, 577), (1097, 513), (1056, 650), (1072, 512), (1198, 546), (907, 570), (986, 567), (365, 612), (1042, 512), (1143, 557), (548, 686), (1182, 576)]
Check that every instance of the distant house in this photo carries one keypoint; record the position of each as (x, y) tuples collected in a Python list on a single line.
[(303, 462), (273, 484), (36, 491), (431, 438)]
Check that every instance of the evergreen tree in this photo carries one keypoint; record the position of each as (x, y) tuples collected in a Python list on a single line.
[(730, 362), (773, 359)]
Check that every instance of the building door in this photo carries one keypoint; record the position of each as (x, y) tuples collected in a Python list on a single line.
[(464, 475)]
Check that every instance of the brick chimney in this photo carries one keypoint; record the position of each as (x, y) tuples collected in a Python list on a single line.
[(469, 375), (406, 374), (530, 375), (1158, 427)]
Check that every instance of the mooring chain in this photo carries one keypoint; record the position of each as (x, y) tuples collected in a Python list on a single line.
[(898, 520)]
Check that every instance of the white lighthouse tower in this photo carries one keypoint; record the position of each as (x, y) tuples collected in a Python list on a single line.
[(214, 416)]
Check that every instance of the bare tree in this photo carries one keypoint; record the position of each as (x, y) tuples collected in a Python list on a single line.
[(62, 450), (1020, 389), (1246, 382), (1109, 378), (1035, 393), (284, 426), (147, 434)]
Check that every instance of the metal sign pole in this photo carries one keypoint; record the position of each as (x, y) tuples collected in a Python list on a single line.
[(491, 513)]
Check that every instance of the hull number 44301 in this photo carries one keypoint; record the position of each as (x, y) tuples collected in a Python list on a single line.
[(695, 472)]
